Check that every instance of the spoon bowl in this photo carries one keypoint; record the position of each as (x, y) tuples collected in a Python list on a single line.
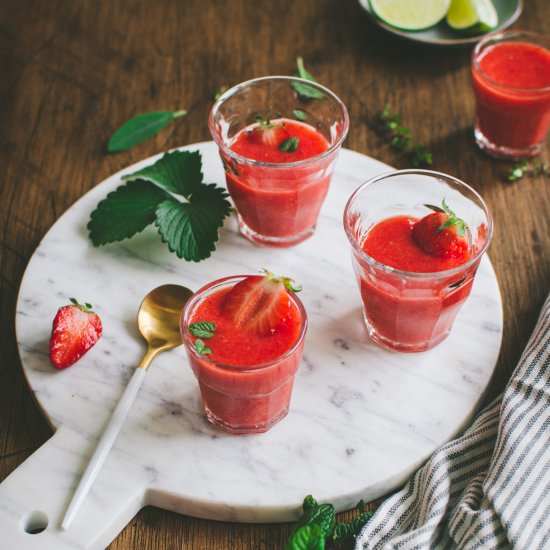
[(159, 317)]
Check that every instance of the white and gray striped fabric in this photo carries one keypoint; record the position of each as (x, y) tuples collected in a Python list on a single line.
[(491, 487)]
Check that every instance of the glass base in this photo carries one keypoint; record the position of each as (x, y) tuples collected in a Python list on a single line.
[(400, 346), (503, 152), (246, 429), (280, 242)]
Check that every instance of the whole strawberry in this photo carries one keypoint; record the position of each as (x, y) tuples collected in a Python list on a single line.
[(76, 328), (441, 233)]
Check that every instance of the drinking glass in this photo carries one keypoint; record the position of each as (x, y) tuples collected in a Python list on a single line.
[(404, 310), (277, 203)]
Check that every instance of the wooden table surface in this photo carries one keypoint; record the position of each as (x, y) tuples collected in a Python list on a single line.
[(72, 71)]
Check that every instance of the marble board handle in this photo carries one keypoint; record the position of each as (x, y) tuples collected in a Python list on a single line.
[(35, 496)]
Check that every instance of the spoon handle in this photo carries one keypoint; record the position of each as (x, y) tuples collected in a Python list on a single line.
[(104, 445)]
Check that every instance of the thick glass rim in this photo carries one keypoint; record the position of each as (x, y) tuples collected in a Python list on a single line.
[(225, 281), (414, 274), (304, 162), (499, 37)]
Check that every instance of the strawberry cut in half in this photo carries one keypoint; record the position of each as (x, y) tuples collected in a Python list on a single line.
[(76, 328), (260, 303), (442, 234), (268, 134)]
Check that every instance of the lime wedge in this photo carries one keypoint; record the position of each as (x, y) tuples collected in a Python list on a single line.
[(472, 16), (410, 15)]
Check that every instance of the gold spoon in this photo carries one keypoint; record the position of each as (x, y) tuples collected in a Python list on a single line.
[(159, 323)]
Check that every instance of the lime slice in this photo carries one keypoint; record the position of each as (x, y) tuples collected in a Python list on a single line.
[(472, 16), (410, 15)]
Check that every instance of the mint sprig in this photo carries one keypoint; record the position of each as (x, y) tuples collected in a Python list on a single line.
[(317, 527), (140, 128), (171, 194)]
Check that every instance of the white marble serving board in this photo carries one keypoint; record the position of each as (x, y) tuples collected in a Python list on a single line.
[(362, 419)]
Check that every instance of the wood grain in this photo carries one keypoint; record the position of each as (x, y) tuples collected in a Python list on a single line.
[(71, 72)]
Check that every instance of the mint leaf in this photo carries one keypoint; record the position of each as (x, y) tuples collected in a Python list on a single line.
[(124, 212), (201, 347), (321, 515), (289, 145), (202, 329), (307, 92), (178, 172), (309, 503), (140, 128), (308, 537), (191, 229), (299, 115), (303, 90)]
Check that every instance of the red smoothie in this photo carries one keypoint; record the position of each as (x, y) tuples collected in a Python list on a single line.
[(279, 200), (245, 378), (511, 82), (416, 312)]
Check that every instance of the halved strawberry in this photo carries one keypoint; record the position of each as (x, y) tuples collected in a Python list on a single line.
[(260, 303), (76, 328), (268, 134), (442, 234)]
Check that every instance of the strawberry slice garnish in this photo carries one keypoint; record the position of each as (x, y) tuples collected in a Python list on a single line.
[(268, 134), (441, 233), (76, 328), (260, 303)]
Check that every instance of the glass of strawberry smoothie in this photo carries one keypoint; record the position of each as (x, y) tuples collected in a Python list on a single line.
[(245, 378), (412, 292), (278, 151), (511, 80)]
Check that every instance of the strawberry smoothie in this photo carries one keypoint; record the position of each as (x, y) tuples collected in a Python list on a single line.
[(279, 202), (414, 259), (511, 79), (278, 151), (413, 315), (246, 365)]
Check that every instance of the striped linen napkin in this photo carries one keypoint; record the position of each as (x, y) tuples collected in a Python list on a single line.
[(491, 487)]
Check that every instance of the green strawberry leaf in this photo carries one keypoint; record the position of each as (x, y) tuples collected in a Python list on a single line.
[(308, 537), (202, 329), (140, 128), (191, 229), (124, 212), (178, 172)]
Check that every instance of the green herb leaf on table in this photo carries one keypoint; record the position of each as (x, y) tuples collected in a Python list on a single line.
[(289, 145), (140, 128), (303, 90), (124, 212), (299, 115), (186, 211), (202, 329), (219, 92), (388, 125), (308, 537), (317, 526), (525, 168), (201, 347)]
